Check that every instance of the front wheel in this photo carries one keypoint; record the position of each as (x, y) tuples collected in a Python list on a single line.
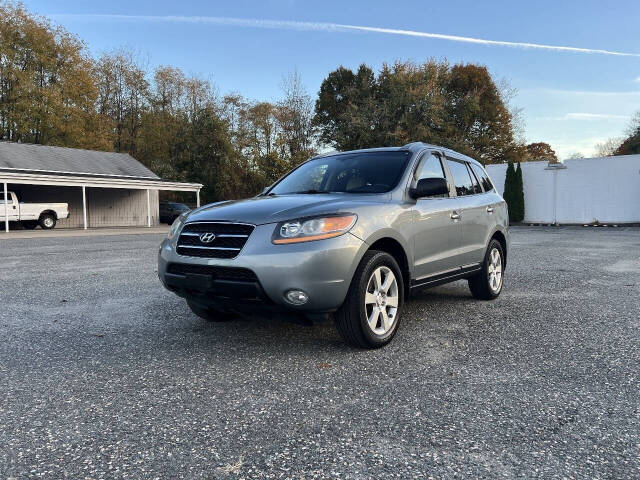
[(370, 314), (487, 283)]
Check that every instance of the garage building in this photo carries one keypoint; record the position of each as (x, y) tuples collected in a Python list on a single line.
[(103, 189)]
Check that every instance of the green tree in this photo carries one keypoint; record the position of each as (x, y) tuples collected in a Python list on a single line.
[(47, 87), (631, 145), (345, 110), (271, 138), (479, 123), (518, 210), (510, 191), (294, 115), (123, 97), (459, 107), (540, 151), (202, 153)]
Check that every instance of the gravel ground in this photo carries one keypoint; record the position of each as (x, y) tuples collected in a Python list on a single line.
[(104, 374)]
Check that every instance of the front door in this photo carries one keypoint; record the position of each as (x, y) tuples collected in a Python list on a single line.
[(436, 229), (12, 207)]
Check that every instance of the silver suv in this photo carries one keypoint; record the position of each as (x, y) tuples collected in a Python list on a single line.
[(349, 233)]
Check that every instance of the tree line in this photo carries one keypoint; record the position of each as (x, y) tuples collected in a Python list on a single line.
[(53, 92), (629, 145)]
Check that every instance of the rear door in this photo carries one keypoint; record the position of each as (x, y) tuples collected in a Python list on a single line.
[(476, 215), (436, 231)]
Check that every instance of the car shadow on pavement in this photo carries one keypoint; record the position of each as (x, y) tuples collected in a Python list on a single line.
[(283, 334)]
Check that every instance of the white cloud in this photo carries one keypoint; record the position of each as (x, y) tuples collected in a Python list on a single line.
[(584, 93), (595, 116), (334, 27), (583, 116), (637, 79)]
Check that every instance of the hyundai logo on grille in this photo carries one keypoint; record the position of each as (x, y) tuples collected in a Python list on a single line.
[(207, 237)]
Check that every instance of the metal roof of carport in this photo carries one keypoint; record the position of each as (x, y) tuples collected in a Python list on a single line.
[(22, 163), (25, 157), (96, 182)]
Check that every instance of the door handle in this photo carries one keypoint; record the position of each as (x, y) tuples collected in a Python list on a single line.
[(455, 216), (489, 209)]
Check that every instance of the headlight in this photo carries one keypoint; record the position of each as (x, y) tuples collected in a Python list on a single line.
[(318, 228), (175, 226)]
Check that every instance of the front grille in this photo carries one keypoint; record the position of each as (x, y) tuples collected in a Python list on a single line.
[(217, 272), (229, 239)]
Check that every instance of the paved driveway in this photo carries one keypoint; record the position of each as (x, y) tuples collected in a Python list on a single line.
[(103, 374)]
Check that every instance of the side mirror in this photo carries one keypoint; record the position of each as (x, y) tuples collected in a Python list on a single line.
[(429, 187)]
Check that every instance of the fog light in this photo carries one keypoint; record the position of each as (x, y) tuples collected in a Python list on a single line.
[(296, 297)]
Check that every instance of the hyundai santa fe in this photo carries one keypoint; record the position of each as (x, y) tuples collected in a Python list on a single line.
[(349, 233)]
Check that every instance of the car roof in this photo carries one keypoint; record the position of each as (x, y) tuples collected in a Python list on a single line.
[(414, 147)]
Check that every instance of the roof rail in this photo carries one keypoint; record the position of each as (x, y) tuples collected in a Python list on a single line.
[(411, 144)]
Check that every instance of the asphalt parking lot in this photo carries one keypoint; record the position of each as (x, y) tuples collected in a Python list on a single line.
[(104, 374)]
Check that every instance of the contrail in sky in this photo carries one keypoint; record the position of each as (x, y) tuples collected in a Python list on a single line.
[(334, 27)]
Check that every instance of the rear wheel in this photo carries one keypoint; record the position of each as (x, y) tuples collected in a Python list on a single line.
[(370, 314), (47, 221), (208, 313), (487, 284)]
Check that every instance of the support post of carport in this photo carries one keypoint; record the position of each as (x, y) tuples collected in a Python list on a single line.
[(198, 198), (148, 208), (84, 206), (6, 209)]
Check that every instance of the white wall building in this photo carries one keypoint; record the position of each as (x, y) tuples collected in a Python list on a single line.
[(580, 191)]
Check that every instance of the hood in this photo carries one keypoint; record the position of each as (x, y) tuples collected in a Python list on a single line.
[(261, 210)]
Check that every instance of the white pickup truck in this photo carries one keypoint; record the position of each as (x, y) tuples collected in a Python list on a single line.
[(32, 214)]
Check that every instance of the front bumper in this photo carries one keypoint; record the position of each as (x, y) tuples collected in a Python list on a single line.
[(263, 272)]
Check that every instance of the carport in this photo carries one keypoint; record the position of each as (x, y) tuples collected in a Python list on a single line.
[(103, 189)]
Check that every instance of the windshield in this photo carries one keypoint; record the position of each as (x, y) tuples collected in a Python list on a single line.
[(366, 172)]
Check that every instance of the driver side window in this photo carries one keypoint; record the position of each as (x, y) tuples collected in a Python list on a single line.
[(430, 166)]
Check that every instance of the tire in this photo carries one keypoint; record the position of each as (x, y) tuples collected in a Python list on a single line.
[(47, 221), (209, 314), (29, 225), (487, 284), (352, 318)]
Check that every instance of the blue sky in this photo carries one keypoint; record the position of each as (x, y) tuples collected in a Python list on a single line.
[(570, 99)]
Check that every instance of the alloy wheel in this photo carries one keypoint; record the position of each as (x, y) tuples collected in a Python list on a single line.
[(494, 270), (381, 300)]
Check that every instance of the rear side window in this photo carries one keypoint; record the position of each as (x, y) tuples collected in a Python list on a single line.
[(483, 177), (476, 185), (461, 178)]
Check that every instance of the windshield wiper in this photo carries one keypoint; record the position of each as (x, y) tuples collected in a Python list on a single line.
[(312, 191)]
